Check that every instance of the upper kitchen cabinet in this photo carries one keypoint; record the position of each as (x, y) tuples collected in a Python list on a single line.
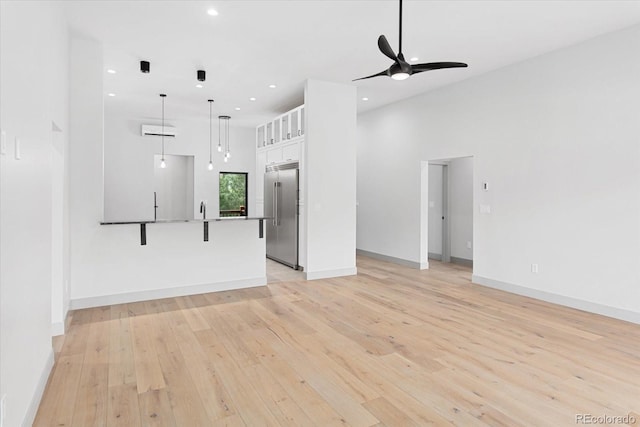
[(283, 128), (269, 129), (261, 136), (286, 130), (277, 130), (296, 122)]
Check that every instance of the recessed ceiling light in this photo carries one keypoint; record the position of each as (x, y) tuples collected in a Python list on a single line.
[(237, 108), (272, 86), (252, 99), (212, 12), (365, 99), (415, 58), (199, 86), (111, 71), (111, 94)]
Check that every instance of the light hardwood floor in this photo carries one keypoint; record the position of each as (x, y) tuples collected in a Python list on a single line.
[(277, 272), (390, 347)]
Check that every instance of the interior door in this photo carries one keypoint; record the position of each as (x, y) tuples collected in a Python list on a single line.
[(287, 220)]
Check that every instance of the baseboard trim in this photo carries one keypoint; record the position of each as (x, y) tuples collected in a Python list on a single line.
[(103, 300), (57, 328), (462, 261), (32, 410), (434, 256), (399, 261), (591, 307), (326, 274)]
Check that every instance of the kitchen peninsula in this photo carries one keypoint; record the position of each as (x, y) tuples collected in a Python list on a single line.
[(176, 260)]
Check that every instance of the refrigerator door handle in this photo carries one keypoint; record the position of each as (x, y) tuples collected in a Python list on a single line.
[(278, 190), (274, 199)]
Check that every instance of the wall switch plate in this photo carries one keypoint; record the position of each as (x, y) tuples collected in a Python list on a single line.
[(432, 204), (17, 148), (534, 268), (468, 245), (3, 142)]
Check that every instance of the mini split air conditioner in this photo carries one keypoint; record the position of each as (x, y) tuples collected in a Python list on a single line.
[(153, 130)]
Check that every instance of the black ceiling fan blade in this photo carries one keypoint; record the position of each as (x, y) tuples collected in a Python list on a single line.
[(381, 73), (419, 68), (384, 47)]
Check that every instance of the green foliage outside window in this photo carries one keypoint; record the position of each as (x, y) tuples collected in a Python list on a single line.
[(233, 194)]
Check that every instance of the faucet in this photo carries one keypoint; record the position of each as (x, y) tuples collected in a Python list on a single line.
[(203, 209)]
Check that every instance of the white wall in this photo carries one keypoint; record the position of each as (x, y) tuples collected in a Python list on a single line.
[(461, 207), (556, 137), (330, 182), (33, 94), (128, 160)]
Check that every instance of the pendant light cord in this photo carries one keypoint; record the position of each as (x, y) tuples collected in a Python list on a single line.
[(227, 134), (162, 95), (210, 130)]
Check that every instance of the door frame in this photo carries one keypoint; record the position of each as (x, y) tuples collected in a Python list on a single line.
[(424, 208)]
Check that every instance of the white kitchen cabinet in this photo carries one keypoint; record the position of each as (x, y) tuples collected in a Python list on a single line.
[(261, 138), (274, 155), (283, 128), (290, 152), (277, 130), (297, 122), (269, 133), (284, 123)]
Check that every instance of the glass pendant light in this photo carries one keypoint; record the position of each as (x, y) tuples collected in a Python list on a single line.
[(210, 167), (163, 164)]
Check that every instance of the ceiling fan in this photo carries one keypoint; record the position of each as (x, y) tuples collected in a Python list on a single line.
[(401, 69)]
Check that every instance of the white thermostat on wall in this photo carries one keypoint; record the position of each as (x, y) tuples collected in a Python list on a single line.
[(485, 186)]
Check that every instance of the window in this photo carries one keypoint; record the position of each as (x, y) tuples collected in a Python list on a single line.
[(233, 194)]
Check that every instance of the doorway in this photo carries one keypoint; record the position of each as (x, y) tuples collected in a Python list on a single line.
[(173, 187), (450, 210)]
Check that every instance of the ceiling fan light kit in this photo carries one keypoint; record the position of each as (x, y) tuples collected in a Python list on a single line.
[(401, 69)]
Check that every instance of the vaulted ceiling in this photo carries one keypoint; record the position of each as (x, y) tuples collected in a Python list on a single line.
[(253, 44)]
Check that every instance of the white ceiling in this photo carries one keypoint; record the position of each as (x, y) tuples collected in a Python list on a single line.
[(252, 44)]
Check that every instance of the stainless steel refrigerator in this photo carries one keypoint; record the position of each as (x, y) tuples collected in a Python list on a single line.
[(281, 205)]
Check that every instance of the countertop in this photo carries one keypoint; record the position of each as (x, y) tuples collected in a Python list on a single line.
[(171, 221)]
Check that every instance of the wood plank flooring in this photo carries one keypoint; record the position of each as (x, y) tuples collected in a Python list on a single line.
[(391, 346)]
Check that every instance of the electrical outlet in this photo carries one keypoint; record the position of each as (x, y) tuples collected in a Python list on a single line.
[(534, 268)]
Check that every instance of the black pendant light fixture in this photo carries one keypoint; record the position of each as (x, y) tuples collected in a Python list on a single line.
[(201, 75), (145, 67), (210, 167), (223, 127), (163, 164)]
